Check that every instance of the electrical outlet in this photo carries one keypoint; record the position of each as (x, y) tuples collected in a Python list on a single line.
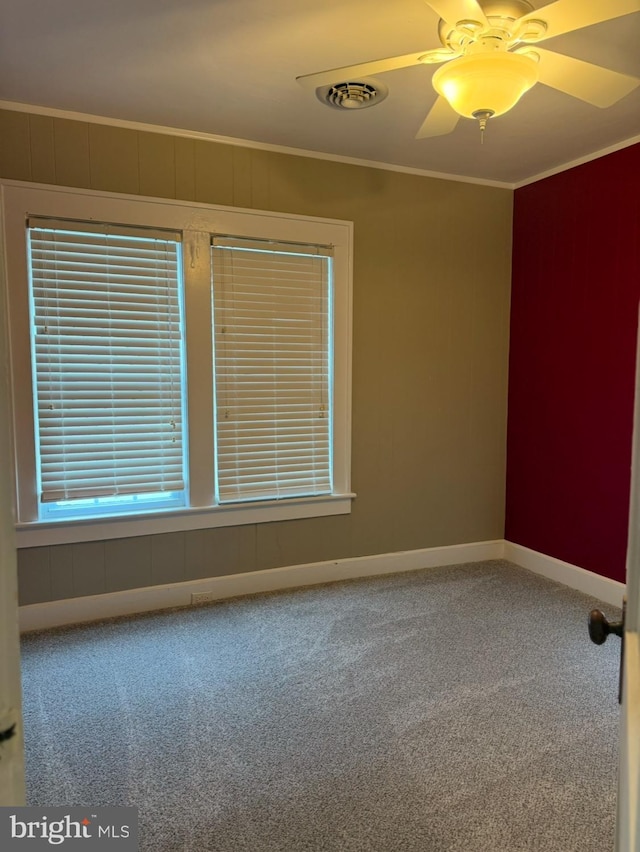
[(203, 597)]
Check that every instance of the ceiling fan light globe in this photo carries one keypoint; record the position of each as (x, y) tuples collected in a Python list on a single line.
[(492, 82)]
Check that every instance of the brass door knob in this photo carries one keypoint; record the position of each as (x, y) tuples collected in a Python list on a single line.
[(600, 627)]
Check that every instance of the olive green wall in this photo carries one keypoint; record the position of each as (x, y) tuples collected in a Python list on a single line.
[(432, 265)]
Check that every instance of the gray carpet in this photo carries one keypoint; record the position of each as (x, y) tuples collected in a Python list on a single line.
[(451, 709)]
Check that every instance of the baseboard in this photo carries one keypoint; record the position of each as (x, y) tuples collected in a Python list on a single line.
[(609, 591), (77, 610)]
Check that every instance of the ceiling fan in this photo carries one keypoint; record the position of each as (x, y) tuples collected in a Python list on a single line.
[(491, 62)]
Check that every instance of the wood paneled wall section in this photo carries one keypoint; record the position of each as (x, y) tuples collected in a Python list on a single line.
[(430, 349), (576, 287)]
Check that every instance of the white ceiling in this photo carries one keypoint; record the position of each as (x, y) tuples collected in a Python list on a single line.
[(228, 68)]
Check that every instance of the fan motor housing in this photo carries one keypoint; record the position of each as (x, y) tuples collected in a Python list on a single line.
[(495, 10)]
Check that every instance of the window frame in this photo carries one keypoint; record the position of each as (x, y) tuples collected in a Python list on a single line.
[(197, 222)]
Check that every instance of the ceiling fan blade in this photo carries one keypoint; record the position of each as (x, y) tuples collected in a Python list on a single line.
[(441, 119), (354, 72), (453, 11), (439, 54), (564, 16), (599, 86)]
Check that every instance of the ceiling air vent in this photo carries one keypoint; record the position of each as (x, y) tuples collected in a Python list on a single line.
[(353, 95)]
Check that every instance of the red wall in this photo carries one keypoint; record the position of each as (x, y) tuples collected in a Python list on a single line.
[(576, 287)]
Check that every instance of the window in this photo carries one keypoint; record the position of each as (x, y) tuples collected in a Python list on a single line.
[(272, 366), (174, 366), (106, 342)]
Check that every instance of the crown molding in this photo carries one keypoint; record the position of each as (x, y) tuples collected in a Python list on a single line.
[(595, 155), (52, 112)]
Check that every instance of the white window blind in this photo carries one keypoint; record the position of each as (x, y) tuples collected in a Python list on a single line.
[(106, 320), (272, 365)]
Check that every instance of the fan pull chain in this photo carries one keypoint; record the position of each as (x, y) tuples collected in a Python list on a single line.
[(483, 115), (483, 125)]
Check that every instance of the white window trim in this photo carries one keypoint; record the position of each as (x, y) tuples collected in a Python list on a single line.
[(197, 222)]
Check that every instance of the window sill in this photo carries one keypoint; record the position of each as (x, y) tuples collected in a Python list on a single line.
[(40, 534)]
